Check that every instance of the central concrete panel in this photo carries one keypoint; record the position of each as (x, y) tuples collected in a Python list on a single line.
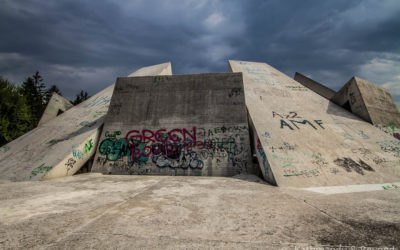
[(176, 125)]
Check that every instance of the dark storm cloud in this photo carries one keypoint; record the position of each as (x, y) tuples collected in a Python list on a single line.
[(87, 44)]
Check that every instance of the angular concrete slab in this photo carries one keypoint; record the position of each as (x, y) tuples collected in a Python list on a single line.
[(61, 146), (56, 106), (369, 101), (314, 86), (176, 125), (303, 140)]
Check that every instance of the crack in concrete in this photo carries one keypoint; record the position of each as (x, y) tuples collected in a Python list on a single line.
[(67, 234)]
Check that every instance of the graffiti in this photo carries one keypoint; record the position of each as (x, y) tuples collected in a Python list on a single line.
[(113, 135), (390, 186), (266, 135), (88, 146), (297, 88), (4, 149), (304, 122), (87, 124), (161, 79), (317, 159), (230, 129), (263, 156), (235, 92), (183, 160), (259, 75), (114, 148), (349, 164), (291, 115), (304, 173), (285, 161), (286, 146), (357, 132), (98, 101), (334, 170), (99, 113), (390, 146), (173, 148), (101, 160), (352, 98), (39, 170), (390, 129), (79, 154), (70, 164), (161, 135), (115, 108)]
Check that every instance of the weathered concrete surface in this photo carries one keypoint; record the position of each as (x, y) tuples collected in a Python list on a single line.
[(154, 70), (176, 125), (369, 101), (314, 86), (95, 211), (56, 104), (61, 146), (304, 140)]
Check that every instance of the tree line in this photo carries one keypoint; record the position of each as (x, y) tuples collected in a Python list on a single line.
[(21, 107)]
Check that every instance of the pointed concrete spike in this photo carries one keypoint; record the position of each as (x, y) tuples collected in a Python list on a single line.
[(159, 69), (369, 101), (55, 104), (64, 144), (303, 140)]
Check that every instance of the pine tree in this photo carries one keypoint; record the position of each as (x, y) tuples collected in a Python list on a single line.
[(15, 113), (82, 96), (33, 89), (49, 92)]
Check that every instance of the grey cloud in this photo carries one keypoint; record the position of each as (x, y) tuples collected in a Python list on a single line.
[(66, 40)]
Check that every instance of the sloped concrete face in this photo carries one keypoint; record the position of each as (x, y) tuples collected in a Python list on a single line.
[(303, 140), (176, 125), (56, 104), (59, 147)]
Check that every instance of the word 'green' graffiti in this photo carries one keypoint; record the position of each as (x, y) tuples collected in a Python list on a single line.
[(39, 170)]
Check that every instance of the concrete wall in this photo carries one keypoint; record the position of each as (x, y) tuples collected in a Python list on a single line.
[(56, 103), (304, 140), (176, 125), (61, 146), (314, 86)]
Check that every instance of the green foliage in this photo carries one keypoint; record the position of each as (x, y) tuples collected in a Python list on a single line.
[(48, 93), (15, 114), (82, 96), (33, 89), (22, 107)]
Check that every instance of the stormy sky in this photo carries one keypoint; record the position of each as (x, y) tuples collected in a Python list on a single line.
[(87, 44)]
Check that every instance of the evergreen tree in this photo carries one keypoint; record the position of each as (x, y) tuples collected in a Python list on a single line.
[(33, 89), (49, 92), (82, 96), (15, 113)]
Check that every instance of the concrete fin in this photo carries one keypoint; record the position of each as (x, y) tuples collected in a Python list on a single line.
[(314, 86), (61, 146), (55, 104), (308, 140)]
